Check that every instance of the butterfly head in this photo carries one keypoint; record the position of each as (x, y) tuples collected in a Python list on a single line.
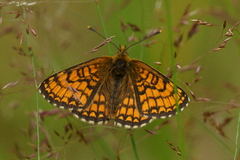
[(122, 49), (121, 60), (121, 54)]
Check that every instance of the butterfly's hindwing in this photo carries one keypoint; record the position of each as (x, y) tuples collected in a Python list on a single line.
[(127, 114), (97, 112)]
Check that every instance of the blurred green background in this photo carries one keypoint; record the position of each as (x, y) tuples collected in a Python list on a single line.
[(62, 40)]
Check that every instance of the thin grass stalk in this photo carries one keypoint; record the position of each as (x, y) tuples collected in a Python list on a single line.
[(35, 82), (174, 76), (134, 145), (103, 26), (237, 135)]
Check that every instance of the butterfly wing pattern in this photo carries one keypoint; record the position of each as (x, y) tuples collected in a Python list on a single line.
[(126, 90), (127, 114), (155, 97)]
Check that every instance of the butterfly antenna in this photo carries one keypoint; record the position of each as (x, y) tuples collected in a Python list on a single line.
[(101, 36), (159, 31)]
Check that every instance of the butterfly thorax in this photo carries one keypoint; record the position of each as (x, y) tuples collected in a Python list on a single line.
[(120, 62)]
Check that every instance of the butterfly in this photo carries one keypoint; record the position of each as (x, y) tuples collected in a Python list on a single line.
[(126, 90)]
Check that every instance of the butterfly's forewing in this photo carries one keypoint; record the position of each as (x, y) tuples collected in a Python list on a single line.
[(75, 87), (154, 92)]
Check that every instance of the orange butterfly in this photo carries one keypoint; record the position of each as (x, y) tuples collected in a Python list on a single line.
[(126, 90)]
